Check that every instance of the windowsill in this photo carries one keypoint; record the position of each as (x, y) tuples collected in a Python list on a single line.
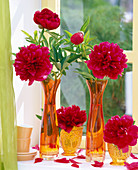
[(51, 165)]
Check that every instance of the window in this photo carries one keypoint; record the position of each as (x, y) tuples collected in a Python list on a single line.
[(109, 21), (131, 52), (21, 19)]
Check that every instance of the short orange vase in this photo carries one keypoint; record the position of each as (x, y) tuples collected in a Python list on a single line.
[(118, 157), (49, 138), (95, 145), (70, 142)]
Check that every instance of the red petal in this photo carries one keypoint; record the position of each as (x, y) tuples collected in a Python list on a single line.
[(80, 157), (36, 147), (38, 160), (133, 156), (126, 149), (79, 151), (132, 166), (62, 160), (74, 162), (97, 164), (75, 165)]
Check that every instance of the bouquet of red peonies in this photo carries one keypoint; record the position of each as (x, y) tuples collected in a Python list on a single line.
[(68, 117), (121, 132), (49, 50)]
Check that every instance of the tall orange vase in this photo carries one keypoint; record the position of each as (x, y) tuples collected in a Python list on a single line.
[(49, 138), (95, 145)]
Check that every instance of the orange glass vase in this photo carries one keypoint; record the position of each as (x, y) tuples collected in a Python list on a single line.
[(49, 138), (95, 145)]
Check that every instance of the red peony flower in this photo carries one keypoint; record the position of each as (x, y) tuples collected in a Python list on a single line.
[(121, 131), (107, 59), (32, 63), (77, 38), (70, 116), (47, 19)]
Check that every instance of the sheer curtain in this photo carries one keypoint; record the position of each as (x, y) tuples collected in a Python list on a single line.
[(8, 151)]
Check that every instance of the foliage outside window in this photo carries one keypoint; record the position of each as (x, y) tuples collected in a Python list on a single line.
[(108, 22)]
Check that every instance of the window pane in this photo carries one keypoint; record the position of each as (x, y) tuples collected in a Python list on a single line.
[(111, 20)]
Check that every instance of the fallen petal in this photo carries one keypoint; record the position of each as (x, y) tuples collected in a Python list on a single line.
[(38, 160), (62, 160), (36, 147), (74, 162), (79, 151), (75, 165), (97, 164), (132, 166), (80, 157), (133, 156)]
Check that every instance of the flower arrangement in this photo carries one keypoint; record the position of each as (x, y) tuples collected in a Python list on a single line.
[(68, 117), (49, 57), (121, 132)]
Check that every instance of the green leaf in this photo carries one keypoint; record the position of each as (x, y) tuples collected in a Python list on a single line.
[(42, 109), (30, 41), (73, 58), (68, 33), (134, 122), (45, 41), (42, 44), (87, 35), (57, 65), (84, 74), (60, 43), (64, 72), (60, 54), (68, 49), (41, 34), (50, 41), (55, 35), (91, 39), (28, 35), (39, 117), (85, 25), (62, 62), (14, 54), (55, 53), (35, 35)]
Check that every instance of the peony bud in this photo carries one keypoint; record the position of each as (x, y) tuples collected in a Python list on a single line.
[(77, 38)]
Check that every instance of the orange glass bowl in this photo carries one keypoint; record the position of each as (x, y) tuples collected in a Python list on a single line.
[(70, 142), (118, 157)]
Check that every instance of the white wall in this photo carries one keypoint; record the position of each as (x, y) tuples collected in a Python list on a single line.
[(28, 98)]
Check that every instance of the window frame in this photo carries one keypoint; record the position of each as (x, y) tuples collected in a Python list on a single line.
[(131, 55)]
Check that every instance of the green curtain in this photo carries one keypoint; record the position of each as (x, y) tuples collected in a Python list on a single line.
[(8, 146)]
